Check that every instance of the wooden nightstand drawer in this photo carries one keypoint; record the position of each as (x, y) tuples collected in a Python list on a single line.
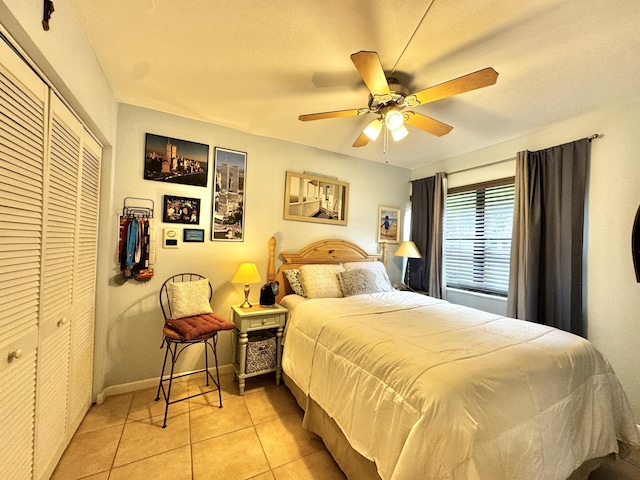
[(266, 320)]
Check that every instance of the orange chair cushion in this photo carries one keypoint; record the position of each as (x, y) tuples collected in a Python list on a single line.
[(191, 328)]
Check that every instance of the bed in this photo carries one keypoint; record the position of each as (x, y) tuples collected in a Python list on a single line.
[(403, 386)]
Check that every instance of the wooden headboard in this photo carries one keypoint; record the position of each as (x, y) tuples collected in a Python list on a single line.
[(324, 251)]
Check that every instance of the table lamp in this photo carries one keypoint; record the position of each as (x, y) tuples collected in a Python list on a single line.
[(247, 273), (409, 250)]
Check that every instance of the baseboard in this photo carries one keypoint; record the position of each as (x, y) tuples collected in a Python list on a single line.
[(142, 384)]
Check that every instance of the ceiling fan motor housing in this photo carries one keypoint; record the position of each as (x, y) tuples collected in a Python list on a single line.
[(381, 103)]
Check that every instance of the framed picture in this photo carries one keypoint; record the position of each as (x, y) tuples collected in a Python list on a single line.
[(312, 198), (388, 225), (180, 210), (193, 235), (227, 217), (175, 161)]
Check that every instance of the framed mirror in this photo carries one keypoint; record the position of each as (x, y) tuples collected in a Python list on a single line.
[(313, 198)]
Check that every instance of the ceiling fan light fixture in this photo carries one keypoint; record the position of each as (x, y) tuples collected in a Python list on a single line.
[(394, 120), (373, 129), (399, 133)]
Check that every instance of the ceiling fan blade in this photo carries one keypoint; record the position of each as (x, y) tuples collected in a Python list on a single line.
[(481, 78), (370, 69), (428, 124), (361, 141), (334, 114)]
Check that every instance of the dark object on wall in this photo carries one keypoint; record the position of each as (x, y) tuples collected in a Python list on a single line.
[(46, 15), (268, 294), (635, 245)]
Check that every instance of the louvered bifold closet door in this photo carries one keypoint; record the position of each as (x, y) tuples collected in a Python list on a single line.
[(84, 285), (60, 230), (23, 113)]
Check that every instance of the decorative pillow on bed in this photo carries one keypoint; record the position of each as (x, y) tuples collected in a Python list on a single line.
[(189, 298), (377, 268), (321, 281), (293, 276), (357, 282)]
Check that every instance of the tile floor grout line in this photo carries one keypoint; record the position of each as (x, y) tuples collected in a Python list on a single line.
[(115, 453)]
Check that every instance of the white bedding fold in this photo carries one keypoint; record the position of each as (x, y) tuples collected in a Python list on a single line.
[(433, 390)]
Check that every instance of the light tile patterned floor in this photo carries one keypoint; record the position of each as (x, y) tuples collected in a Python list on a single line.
[(257, 436)]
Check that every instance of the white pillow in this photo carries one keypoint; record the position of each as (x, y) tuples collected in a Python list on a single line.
[(321, 280), (189, 298), (381, 277)]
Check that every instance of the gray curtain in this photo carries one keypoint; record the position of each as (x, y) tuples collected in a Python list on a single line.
[(550, 267), (427, 209), (519, 236)]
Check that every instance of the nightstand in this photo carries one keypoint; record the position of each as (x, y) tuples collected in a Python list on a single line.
[(253, 319)]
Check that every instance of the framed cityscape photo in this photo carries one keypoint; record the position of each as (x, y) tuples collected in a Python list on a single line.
[(227, 217), (171, 160)]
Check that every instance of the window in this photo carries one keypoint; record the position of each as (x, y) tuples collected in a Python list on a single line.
[(477, 233)]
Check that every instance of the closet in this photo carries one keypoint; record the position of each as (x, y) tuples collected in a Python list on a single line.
[(49, 194)]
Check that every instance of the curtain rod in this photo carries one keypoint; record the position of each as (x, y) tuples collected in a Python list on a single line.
[(482, 166), (591, 137)]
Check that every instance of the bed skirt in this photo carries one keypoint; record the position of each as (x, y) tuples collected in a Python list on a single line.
[(357, 467)]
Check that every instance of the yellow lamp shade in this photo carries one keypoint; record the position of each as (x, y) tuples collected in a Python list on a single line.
[(247, 273)]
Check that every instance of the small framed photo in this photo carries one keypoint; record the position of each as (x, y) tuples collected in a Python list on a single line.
[(388, 225), (180, 210), (193, 235)]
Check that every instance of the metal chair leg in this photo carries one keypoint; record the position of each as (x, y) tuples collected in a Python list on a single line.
[(166, 352), (168, 396), (214, 346)]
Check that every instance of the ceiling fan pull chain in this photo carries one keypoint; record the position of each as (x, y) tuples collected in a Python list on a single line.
[(385, 144)]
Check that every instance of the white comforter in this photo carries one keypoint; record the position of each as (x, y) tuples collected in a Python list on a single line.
[(432, 390)]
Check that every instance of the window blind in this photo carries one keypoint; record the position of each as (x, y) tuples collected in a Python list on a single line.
[(477, 246)]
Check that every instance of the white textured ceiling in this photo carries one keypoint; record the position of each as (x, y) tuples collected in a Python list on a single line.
[(256, 65)]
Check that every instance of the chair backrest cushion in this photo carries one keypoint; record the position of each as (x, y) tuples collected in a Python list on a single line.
[(189, 298)]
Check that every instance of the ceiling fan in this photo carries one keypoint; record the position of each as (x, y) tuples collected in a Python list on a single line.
[(388, 100)]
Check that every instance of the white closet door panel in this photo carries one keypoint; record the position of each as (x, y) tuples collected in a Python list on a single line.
[(82, 327), (87, 245), (14, 177), (23, 113), (51, 398), (17, 406), (81, 367), (61, 197), (21, 74)]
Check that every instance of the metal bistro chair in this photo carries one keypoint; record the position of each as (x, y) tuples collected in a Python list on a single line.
[(180, 333)]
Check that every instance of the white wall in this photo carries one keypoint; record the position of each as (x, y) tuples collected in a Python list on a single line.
[(612, 301), (135, 320)]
